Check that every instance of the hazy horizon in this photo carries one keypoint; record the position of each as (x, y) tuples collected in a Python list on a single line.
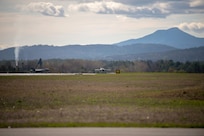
[(59, 22)]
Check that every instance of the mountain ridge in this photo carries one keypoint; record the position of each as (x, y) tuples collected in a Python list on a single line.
[(181, 55), (128, 50), (172, 37), (79, 51)]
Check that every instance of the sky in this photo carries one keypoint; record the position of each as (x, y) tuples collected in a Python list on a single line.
[(68, 22)]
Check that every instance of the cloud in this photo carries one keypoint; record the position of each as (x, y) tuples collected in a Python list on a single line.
[(197, 3), (194, 26), (45, 8), (110, 7), (140, 8)]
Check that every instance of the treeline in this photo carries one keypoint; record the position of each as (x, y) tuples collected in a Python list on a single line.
[(86, 66)]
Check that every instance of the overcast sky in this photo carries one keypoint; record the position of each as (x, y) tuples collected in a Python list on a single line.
[(65, 22)]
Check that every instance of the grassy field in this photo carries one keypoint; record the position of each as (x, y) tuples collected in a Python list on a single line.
[(103, 100)]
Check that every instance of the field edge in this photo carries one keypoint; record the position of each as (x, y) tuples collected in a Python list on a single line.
[(99, 124)]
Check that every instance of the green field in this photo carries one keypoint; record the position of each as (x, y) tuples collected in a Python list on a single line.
[(103, 100)]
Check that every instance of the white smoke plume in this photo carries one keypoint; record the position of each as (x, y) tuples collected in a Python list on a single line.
[(16, 53)]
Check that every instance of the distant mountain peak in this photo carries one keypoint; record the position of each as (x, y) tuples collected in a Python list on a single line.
[(173, 29), (172, 37)]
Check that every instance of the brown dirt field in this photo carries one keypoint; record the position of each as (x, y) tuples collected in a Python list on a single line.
[(140, 98)]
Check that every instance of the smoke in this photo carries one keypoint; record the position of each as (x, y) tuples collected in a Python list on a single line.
[(18, 37), (16, 53)]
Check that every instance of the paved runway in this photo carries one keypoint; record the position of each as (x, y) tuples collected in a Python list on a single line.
[(101, 132), (44, 74)]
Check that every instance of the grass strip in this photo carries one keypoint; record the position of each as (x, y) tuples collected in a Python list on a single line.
[(99, 124)]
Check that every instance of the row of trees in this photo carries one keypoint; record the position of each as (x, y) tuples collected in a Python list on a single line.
[(84, 66)]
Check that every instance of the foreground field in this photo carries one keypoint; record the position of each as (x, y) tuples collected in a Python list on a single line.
[(105, 100)]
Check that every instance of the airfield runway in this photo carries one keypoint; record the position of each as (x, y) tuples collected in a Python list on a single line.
[(101, 132), (44, 74)]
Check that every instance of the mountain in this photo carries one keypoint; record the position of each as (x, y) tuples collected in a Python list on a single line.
[(181, 55), (172, 37), (163, 44), (132, 52), (94, 52)]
